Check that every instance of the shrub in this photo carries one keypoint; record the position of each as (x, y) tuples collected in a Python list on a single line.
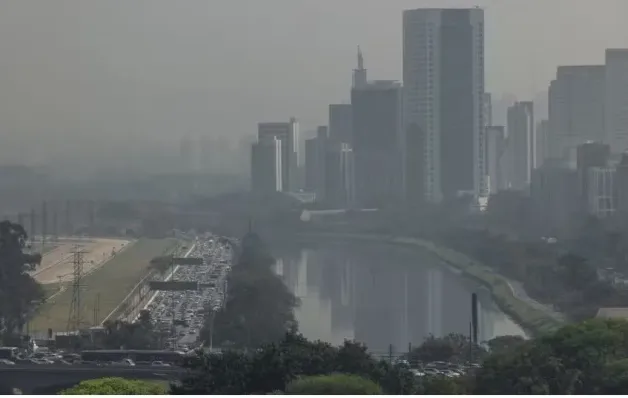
[(116, 386), (338, 384)]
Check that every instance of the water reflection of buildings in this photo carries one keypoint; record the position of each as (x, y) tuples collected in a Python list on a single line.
[(381, 299)]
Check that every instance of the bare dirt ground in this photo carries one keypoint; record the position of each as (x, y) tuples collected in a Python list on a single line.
[(56, 265)]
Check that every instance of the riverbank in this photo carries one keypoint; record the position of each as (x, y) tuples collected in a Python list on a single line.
[(535, 318)]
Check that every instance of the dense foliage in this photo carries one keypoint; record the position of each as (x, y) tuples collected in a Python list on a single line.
[(273, 366), (116, 386), (19, 292), (337, 384), (585, 358), (141, 335), (259, 306)]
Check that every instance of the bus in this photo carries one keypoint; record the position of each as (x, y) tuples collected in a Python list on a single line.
[(137, 356)]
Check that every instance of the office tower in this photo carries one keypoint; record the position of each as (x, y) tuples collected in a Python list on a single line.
[(552, 191), (377, 119), (522, 143), (576, 108), (616, 99), (542, 142), (359, 74), (621, 186), (495, 147), (315, 150), (600, 191), (487, 109), (443, 76), (311, 145), (267, 165), (339, 173), (288, 134), (340, 123), (589, 155)]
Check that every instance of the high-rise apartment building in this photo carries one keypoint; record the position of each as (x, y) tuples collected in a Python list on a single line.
[(340, 123), (616, 99), (495, 147), (315, 152), (377, 119), (576, 108), (443, 76), (522, 143), (267, 165), (288, 134)]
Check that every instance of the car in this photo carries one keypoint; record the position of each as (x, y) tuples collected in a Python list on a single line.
[(6, 362), (160, 364)]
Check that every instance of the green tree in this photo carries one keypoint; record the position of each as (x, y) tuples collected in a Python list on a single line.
[(19, 292), (116, 386), (584, 358), (451, 348), (336, 384), (273, 366), (504, 343)]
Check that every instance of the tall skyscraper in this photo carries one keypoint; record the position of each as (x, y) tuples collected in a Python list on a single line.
[(339, 174), (288, 134), (315, 156), (495, 147), (576, 108), (616, 103), (542, 142), (359, 74), (377, 120), (340, 122), (590, 155), (522, 143), (266, 165), (443, 76)]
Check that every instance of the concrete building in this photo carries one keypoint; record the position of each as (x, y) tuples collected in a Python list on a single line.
[(487, 109), (339, 175), (315, 152), (522, 143), (377, 119), (267, 165), (576, 108), (340, 123), (552, 191), (589, 155), (621, 188), (444, 97), (616, 100), (288, 134), (542, 142), (601, 194), (495, 148)]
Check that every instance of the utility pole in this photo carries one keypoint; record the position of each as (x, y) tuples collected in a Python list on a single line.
[(75, 316), (97, 310)]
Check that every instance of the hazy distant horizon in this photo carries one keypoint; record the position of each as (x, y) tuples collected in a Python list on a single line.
[(82, 76)]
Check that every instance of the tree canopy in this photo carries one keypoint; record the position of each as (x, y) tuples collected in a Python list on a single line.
[(585, 358), (337, 384), (116, 386), (19, 292), (259, 306)]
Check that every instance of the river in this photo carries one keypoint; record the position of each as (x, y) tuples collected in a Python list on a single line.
[(382, 296)]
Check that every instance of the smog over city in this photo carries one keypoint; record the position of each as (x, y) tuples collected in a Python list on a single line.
[(430, 196)]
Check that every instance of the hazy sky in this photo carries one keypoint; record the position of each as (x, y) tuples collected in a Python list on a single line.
[(80, 72)]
